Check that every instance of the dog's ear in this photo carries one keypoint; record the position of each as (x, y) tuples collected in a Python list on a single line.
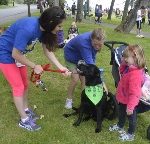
[(81, 62), (82, 69)]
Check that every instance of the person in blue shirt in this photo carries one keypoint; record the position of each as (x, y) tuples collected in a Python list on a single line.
[(82, 47), (13, 44)]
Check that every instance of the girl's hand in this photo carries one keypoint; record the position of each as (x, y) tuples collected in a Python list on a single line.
[(66, 73), (38, 69), (129, 112)]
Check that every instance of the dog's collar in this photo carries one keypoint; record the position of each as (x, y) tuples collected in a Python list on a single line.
[(94, 93)]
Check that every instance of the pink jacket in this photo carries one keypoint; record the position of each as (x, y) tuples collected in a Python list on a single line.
[(129, 87)]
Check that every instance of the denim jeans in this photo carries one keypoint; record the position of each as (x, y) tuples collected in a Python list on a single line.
[(131, 118)]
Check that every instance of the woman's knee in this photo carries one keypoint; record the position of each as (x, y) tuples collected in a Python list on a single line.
[(18, 90)]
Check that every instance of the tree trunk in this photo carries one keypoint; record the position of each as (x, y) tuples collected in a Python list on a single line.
[(51, 3), (132, 3), (79, 15), (29, 12), (127, 25), (125, 11), (88, 7), (56, 2), (61, 4), (111, 9)]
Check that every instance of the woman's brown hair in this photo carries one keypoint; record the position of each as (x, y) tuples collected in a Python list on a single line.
[(48, 20)]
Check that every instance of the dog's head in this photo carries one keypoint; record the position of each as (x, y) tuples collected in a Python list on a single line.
[(91, 73)]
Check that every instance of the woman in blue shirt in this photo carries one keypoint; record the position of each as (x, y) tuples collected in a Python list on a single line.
[(13, 44), (82, 47)]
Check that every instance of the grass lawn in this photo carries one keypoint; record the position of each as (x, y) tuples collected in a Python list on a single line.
[(55, 128), (6, 6), (117, 21)]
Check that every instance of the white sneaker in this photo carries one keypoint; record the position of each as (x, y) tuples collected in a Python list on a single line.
[(138, 36), (115, 127), (127, 137), (68, 104), (141, 36)]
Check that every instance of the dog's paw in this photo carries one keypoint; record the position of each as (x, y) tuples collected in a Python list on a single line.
[(97, 130)]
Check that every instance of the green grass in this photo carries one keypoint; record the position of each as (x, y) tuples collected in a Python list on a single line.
[(55, 128), (6, 6), (117, 21)]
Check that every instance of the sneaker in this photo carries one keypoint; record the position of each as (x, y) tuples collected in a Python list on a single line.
[(29, 125), (141, 36), (31, 114), (127, 137), (115, 127), (68, 104), (138, 36)]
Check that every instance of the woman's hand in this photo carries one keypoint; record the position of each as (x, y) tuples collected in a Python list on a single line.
[(66, 71), (38, 69)]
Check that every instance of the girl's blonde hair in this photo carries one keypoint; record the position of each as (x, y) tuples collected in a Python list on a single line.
[(137, 53), (73, 24)]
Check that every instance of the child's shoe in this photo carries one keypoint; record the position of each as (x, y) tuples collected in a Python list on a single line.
[(115, 127), (32, 115), (29, 125), (141, 36), (138, 36), (127, 137), (68, 104)]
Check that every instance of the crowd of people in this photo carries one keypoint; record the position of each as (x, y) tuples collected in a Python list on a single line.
[(85, 46)]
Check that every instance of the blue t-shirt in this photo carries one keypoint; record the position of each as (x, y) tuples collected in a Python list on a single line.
[(19, 35), (80, 48)]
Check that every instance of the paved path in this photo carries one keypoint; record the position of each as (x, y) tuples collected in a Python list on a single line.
[(146, 34), (13, 13)]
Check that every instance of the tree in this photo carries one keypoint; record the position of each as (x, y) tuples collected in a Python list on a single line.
[(29, 11), (4, 2), (111, 9), (51, 3), (125, 11), (61, 3), (79, 15), (127, 25)]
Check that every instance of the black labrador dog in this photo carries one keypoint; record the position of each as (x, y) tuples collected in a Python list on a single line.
[(91, 106)]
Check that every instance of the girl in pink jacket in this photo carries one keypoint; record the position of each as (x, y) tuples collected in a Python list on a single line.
[(129, 90)]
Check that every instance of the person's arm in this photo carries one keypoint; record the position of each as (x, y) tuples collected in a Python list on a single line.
[(134, 92), (51, 57), (17, 55)]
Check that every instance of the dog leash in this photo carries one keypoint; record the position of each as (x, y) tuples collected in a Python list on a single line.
[(36, 78)]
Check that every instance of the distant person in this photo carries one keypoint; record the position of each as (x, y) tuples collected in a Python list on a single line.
[(40, 5), (143, 14), (73, 30), (85, 10), (139, 22), (73, 9), (98, 13)]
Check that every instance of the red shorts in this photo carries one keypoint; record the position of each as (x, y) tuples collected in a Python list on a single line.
[(16, 76)]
